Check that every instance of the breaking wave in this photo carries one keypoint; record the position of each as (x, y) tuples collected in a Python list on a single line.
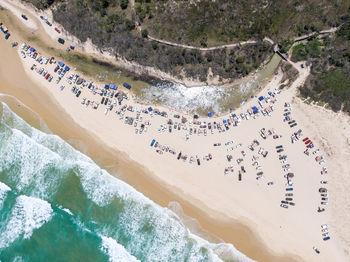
[(52, 197)]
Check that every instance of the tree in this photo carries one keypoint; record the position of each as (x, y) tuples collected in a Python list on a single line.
[(124, 4), (154, 45), (144, 33)]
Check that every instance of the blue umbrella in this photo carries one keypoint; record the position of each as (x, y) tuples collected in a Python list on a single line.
[(150, 109)]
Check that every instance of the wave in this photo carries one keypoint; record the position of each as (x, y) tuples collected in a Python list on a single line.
[(116, 252), (54, 181), (27, 215), (3, 192)]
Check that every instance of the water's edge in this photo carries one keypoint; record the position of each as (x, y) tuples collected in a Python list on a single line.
[(54, 190)]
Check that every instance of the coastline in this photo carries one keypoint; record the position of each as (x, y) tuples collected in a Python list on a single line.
[(39, 91), (121, 166)]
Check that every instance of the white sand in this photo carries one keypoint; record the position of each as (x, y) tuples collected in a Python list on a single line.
[(295, 230), (14, 8)]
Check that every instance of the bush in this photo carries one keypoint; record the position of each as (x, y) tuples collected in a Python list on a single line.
[(144, 33), (124, 4)]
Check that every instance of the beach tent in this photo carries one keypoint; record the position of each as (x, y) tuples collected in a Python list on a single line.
[(72, 47), (252, 97), (210, 114), (68, 49), (114, 87), (126, 85), (107, 86), (7, 36), (195, 116), (66, 68), (150, 109), (261, 98), (255, 109), (32, 49), (60, 64), (224, 121)]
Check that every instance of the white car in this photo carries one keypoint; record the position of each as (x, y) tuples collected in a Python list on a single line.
[(230, 149)]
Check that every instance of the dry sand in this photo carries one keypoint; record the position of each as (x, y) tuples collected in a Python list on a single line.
[(15, 82), (221, 198)]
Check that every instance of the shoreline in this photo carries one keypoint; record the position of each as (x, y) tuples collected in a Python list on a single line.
[(229, 231), (40, 90), (121, 166)]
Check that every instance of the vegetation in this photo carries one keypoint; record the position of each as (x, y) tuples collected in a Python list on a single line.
[(112, 29), (289, 72), (208, 22), (330, 68), (312, 49), (41, 4), (111, 25)]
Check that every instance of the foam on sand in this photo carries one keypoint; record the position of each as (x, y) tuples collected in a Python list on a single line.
[(27, 215)]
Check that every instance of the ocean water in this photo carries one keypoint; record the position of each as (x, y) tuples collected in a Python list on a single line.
[(56, 204)]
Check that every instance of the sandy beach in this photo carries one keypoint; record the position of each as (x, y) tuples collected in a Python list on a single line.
[(246, 213)]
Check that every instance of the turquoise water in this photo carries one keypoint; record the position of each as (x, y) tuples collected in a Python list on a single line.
[(56, 204)]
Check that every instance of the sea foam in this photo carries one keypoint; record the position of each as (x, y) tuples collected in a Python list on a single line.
[(27, 215), (3, 192), (154, 233), (116, 252)]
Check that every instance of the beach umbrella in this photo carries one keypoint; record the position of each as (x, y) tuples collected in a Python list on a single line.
[(195, 116), (210, 114), (252, 97), (150, 109), (224, 121)]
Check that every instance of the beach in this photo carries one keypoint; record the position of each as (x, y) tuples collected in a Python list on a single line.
[(245, 213)]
